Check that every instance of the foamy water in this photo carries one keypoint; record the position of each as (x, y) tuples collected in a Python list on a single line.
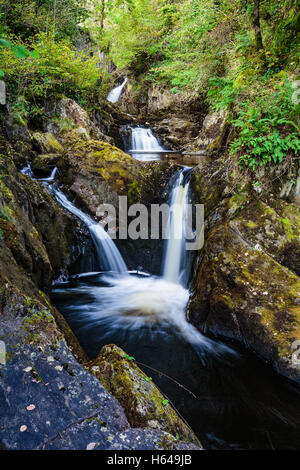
[(131, 302)]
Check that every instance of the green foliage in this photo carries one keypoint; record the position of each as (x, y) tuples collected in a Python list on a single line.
[(61, 16), (208, 48), (19, 51), (221, 92), (268, 126), (55, 69), (266, 149)]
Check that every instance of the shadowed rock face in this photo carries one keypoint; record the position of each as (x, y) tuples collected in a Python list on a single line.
[(246, 285)]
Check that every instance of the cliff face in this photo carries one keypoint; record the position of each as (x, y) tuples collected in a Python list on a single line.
[(246, 284)]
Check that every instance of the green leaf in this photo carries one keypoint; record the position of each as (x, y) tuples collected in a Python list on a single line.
[(20, 52), (1, 73), (165, 402), (5, 42), (34, 54)]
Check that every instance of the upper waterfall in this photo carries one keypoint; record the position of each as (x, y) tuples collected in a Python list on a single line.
[(114, 95), (143, 139)]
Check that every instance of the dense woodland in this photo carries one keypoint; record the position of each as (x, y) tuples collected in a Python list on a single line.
[(234, 54)]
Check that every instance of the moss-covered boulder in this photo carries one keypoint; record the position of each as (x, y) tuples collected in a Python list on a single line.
[(143, 403), (246, 283), (241, 292), (46, 143), (276, 230), (97, 172), (38, 239)]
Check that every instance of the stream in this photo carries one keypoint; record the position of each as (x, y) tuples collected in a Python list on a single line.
[(229, 398)]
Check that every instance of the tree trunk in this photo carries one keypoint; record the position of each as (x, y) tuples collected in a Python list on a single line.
[(256, 24)]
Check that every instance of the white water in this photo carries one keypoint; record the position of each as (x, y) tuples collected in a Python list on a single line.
[(130, 303), (114, 95), (143, 139), (174, 263), (28, 171), (106, 249), (51, 177)]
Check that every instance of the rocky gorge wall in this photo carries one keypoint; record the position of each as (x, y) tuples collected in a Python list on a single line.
[(245, 281)]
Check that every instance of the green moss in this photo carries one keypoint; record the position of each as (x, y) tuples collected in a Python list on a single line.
[(249, 295), (143, 403), (47, 143), (251, 224), (97, 158)]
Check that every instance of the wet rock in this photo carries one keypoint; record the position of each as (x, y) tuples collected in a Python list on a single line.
[(242, 293), (46, 143), (276, 230), (42, 165), (213, 131), (147, 439), (47, 399), (97, 172), (246, 278), (45, 394), (160, 99), (176, 131), (141, 400), (17, 133), (38, 240)]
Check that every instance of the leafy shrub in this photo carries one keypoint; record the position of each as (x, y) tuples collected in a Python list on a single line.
[(53, 70)]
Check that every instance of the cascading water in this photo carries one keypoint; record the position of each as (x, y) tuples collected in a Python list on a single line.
[(114, 95), (146, 317), (143, 140), (28, 171), (108, 254), (175, 255), (107, 251)]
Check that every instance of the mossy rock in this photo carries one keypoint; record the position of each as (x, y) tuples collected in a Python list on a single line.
[(242, 293), (97, 172), (277, 232), (42, 165), (46, 143), (206, 190), (143, 403)]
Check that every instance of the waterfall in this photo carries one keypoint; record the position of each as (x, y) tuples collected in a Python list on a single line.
[(114, 95), (142, 139), (51, 177), (27, 171), (107, 251), (175, 261)]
